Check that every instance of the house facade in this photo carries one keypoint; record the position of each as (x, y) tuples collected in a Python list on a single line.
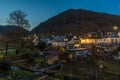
[(66, 41), (106, 38)]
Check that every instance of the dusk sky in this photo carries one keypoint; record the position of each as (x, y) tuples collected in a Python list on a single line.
[(40, 10)]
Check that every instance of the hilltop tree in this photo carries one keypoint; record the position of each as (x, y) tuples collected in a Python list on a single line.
[(18, 18)]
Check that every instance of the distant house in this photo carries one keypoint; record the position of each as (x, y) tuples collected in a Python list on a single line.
[(75, 53), (103, 38), (53, 56), (59, 41), (66, 41), (103, 49), (99, 49), (35, 41), (47, 39), (118, 34)]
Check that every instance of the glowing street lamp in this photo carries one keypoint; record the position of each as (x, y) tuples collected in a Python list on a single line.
[(115, 28)]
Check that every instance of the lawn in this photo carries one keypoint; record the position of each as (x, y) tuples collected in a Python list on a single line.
[(3, 79), (20, 73), (110, 70), (10, 51), (110, 67)]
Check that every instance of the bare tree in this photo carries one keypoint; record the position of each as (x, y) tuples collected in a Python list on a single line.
[(17, 18)]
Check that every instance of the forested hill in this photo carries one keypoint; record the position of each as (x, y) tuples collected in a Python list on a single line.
[(11, 28), (78, 21), (5, 29)]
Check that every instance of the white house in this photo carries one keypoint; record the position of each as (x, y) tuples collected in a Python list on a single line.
[(66, 41), (110, 37)]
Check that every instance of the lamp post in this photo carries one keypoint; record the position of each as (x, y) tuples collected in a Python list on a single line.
[(101, 68), (115, 28)]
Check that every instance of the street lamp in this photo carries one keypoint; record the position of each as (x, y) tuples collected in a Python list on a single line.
[(101, 68), (115, 28)]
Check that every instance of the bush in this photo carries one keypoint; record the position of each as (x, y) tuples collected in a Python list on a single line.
[(20, 73), (5, 65), (3, 79)]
